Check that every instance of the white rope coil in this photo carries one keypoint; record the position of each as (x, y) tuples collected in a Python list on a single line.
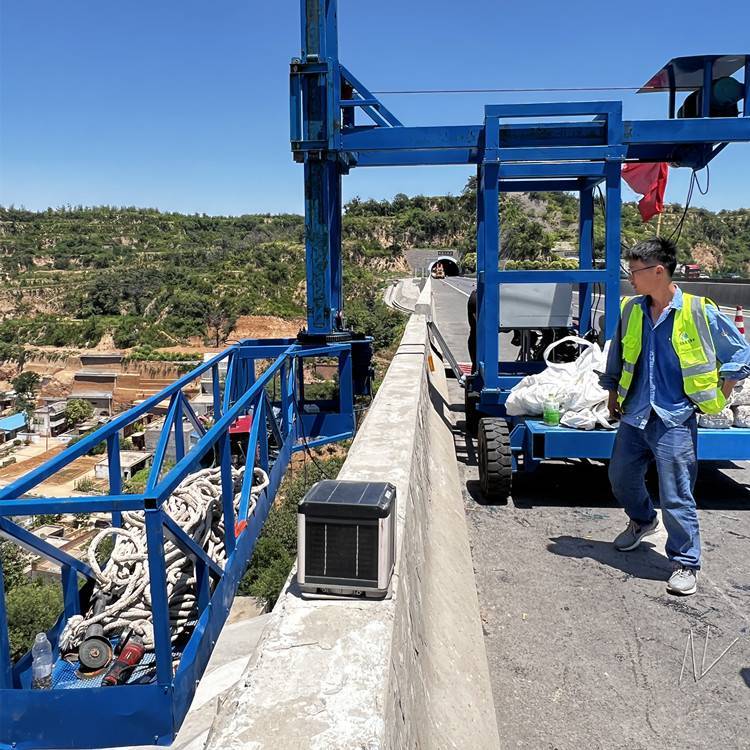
[(196, 508)]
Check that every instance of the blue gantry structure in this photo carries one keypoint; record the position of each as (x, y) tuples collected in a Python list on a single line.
[(338, 124), (541, 147), (261, 378)]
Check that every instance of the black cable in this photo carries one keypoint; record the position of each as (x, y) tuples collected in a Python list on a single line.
[(677, 231), (308, 451), (521, 90), (708, 181)]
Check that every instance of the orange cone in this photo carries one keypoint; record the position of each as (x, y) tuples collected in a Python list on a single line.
[(739, 320)]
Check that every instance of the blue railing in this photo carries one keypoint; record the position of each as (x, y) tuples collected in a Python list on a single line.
[(152, 713)]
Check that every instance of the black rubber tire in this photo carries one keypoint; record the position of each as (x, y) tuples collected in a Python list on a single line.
[(470, 413), (495, 471)]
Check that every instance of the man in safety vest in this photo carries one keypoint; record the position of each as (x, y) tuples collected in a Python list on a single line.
[(674, 355)]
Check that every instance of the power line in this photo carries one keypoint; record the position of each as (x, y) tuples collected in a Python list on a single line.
[(521, 90)]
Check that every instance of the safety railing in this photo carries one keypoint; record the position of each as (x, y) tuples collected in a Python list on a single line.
[(30, 718)]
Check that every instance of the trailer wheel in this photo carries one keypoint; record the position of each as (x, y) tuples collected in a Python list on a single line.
[(495, 470), (470, 412)]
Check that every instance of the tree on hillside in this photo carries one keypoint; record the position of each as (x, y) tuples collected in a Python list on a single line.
[(32, 608), (13, 560), (77, 410), (26, 386), (220, 318)]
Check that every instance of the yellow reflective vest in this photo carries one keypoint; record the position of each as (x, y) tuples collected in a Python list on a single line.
[(692, 342)]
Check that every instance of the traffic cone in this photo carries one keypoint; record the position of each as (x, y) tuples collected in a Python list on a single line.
[(739, 320)]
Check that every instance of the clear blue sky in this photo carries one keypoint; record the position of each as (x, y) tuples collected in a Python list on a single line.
[(182, 105)]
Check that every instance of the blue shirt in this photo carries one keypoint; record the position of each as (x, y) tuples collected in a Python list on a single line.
[(657, 380)]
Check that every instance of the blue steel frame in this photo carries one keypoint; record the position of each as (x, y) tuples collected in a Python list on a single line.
[(556, 151), (152, 713)]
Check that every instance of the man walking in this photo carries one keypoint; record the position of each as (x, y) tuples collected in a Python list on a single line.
[(674, 353)]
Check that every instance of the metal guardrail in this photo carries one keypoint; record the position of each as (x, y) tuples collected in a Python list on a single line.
[(152, 713)]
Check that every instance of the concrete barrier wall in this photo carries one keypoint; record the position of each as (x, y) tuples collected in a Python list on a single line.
[(726, 293), (409, 671)]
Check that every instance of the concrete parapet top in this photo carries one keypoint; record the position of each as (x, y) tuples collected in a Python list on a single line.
[(331, 674)]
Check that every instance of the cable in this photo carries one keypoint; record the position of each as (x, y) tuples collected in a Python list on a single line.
[(677, 231), (708, 180), (308, 451), (522, 90)]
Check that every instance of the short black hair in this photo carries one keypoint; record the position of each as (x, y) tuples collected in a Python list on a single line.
[(657, 249)]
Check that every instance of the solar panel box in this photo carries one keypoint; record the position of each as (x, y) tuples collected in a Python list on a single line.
[(346, 538)]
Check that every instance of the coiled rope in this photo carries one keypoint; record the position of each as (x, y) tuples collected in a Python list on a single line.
[(196, 507)]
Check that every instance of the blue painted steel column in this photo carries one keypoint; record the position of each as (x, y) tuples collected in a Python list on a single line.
[(227, 493), (285, 415), (585, 256), (488, 322), (216, 392), (480, 265), (346, 391), (179, 434), (708, 81), (71, 597), (6, 679), (159, 601), (612, 248), (115, 473), (322, 243), (321, 122)]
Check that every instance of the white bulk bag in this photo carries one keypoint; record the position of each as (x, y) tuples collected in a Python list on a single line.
[(574, 385)]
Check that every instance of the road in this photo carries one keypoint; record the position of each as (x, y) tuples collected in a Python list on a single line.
[(584, 643), (460, 285)]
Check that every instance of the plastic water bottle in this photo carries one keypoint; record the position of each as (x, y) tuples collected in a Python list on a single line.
[(41, 665), (551, 411)]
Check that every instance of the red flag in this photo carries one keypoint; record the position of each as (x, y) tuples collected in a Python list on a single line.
[(650, 180)]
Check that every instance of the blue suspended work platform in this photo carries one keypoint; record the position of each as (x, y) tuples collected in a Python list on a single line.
[(262, 379)]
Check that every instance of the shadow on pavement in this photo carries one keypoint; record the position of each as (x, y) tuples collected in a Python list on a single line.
[(644, 562), (583, 483)]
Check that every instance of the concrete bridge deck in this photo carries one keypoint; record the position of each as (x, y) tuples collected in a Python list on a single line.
[(585, 645), (508, 626)]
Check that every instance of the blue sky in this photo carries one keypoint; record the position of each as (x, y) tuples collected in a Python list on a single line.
[(183, 105)]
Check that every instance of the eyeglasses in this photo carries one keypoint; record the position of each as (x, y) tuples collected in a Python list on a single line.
[(632, 272)]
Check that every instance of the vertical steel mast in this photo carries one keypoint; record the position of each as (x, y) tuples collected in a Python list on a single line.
[(320, 84)]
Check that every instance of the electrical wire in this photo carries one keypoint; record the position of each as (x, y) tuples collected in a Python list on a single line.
[(308, 450), (521, 90), (708, 181), (677, 231)]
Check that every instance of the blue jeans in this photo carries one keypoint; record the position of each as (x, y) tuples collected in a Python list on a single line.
[(675, 453)]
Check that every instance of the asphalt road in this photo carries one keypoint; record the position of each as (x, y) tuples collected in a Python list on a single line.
[(463, 285), (585, 645)]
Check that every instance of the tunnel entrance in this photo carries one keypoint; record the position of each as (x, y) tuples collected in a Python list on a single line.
[(444, 266)]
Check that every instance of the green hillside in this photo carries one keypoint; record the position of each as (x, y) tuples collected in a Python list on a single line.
[(148, 278)]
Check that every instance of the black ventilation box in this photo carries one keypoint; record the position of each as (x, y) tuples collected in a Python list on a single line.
[(346, 538)]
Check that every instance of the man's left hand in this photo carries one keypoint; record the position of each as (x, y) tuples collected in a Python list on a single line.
[(727, 386)]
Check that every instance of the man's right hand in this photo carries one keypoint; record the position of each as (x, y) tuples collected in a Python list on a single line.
[(613, 406)]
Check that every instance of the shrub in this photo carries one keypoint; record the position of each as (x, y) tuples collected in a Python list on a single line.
[(32, 608)]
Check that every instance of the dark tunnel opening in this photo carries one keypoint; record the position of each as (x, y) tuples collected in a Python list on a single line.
[(448, 266)]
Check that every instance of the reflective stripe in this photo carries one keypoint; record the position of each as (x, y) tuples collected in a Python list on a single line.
[(700, 396), (626, 309), (701, 323), (703, 369), (628, 367), (622, 392)]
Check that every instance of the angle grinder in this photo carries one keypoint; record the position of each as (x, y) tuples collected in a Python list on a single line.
[(95, 653)]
